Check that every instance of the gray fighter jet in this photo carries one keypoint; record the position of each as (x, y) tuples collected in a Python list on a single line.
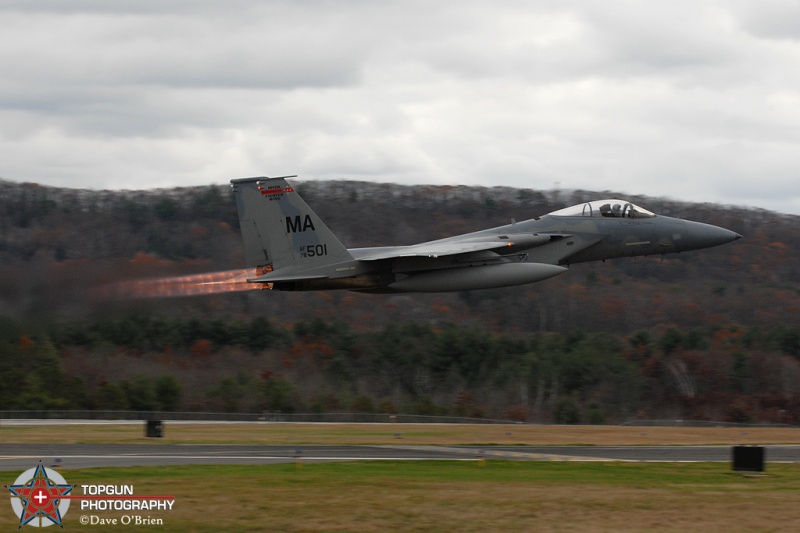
[(290, 248)]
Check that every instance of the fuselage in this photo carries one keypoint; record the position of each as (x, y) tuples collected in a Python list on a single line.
[(550, 241), (290, 247)]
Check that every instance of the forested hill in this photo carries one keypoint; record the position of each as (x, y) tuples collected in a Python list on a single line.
[(57, 245), (711, 334)]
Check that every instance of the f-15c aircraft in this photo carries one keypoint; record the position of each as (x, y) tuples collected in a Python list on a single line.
[(290, 248)]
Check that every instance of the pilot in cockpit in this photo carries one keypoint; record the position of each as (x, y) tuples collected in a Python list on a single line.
[(607, 210)]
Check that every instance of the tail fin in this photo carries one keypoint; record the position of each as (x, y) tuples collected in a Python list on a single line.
[(280, 231)]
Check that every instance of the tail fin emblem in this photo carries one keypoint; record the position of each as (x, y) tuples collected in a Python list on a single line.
[(276, 190)]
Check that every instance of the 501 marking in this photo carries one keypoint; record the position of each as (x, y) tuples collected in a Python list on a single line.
[(313, 250)]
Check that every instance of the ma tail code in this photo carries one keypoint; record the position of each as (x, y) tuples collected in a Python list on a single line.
[(296, 224)]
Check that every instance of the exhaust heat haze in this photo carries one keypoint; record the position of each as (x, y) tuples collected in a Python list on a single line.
[(191, 285)]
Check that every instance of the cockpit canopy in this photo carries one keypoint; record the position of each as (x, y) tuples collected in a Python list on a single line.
[(604, 208)]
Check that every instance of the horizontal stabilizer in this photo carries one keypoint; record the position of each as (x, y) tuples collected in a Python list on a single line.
[(277, 276)]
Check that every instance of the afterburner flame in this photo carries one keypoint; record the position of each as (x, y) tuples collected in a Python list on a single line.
[(191, 285)]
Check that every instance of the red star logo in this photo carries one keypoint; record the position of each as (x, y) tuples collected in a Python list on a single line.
[(40, 497)]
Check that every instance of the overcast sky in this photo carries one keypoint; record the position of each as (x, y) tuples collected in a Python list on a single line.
[(694, 100)]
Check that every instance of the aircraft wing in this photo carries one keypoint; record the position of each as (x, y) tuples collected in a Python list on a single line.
[(425, 250), (456, 246)]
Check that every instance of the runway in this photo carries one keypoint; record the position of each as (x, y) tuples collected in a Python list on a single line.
[(74, 456)]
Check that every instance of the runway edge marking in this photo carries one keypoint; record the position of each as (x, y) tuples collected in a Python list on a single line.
[(502, 454)]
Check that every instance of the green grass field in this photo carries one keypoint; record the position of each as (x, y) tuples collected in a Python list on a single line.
[(454, 496), (439, 495), (426, 434)]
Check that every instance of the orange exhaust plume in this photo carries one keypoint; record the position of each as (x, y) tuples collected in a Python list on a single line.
[(191, 285)]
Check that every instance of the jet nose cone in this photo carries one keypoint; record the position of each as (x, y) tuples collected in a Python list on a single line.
[(705, 235)]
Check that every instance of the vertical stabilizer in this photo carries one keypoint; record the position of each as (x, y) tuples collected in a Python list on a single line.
[(280, 231)]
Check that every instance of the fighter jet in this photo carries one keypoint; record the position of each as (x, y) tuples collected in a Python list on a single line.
[(288, 247)]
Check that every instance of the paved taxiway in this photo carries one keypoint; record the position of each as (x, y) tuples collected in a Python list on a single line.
[(72, 456)]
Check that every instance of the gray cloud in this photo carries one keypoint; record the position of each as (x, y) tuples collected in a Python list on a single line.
[(692, 100)]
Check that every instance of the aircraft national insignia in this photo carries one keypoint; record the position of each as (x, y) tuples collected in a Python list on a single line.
[(36, 497)]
